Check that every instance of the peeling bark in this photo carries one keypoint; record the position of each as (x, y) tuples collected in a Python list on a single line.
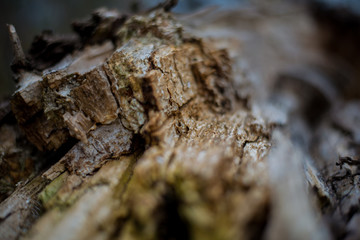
[(163, 134)]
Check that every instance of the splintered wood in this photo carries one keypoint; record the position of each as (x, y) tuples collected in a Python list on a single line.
[(167, 99), (215, 125)]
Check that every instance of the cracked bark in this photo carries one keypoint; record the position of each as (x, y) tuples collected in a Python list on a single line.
[(152, 130)]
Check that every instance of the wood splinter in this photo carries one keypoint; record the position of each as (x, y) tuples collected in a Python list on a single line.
[(19, 61)]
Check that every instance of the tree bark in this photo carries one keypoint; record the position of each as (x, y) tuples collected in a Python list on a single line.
[(151, 129)]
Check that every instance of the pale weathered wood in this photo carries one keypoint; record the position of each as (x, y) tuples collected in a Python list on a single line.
[(178, 139)]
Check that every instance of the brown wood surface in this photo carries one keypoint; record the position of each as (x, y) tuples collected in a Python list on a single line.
[(215, 125)]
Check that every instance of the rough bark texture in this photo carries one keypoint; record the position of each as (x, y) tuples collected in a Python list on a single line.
[(162, 133)]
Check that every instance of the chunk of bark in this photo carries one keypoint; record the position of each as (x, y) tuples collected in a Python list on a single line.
[(176, 92), (141, 64), (106, 142)]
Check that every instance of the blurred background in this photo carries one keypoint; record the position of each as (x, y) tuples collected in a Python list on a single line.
[(32, 17)]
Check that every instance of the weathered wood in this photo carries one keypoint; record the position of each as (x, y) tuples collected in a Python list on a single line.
[(177, 140)]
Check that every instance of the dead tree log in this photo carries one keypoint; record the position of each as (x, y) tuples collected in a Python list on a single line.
[(151, 129)]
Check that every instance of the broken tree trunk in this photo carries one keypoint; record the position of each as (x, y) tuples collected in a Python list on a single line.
[(151, 129)]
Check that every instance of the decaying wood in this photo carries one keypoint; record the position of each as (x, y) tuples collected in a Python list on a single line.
[(165, 134)]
